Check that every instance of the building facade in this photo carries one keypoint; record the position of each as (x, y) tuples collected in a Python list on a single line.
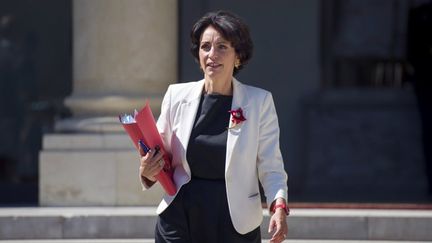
[(339, 71)]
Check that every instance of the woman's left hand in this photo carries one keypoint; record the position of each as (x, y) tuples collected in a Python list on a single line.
[(278, 225)]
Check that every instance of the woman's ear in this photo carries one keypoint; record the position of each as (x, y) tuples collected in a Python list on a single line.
[(237, 63)]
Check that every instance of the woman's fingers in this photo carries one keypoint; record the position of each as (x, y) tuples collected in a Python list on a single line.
[(151, 164), (151, 157), (279, 227), (271, 225), (278, 235)]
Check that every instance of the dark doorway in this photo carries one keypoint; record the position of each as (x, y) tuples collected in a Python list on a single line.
[(35, 76)]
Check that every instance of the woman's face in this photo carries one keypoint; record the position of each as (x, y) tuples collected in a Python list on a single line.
[(216, 55)]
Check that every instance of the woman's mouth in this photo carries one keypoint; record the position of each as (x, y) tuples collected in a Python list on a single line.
[(213, 65)]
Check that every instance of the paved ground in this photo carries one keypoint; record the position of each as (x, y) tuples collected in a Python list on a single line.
[(346, 225), (151, 241)]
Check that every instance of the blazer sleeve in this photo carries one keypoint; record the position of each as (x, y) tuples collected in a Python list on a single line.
[(164, 127), (270, 164)]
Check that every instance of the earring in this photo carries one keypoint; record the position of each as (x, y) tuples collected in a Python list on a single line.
[(237, 63)]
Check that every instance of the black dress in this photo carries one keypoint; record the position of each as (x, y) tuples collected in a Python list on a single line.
[(199, 213)]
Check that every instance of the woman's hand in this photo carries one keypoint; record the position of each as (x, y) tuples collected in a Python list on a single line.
[(151, 163), (278, 225)]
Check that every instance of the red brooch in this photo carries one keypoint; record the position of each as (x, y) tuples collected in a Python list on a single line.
[(236, 117)]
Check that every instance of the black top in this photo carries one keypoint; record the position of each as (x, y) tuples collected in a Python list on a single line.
[(207, 144)]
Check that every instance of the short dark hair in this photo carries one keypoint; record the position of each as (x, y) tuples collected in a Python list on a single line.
[(231, 27)]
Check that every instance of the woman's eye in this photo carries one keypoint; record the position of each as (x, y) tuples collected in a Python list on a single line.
[(223, 47), (205, 47)]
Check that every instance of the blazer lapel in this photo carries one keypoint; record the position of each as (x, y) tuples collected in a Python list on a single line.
[(240, 100), (189, 107)]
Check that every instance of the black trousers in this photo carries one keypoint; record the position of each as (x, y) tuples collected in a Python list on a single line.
[(199, 214)]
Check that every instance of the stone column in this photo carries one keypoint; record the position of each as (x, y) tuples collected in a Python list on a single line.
[(124, 52)]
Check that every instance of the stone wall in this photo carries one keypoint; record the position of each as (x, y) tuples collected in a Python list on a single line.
[(361, 145)]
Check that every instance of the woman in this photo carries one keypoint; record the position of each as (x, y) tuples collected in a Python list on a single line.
[(223, 136)]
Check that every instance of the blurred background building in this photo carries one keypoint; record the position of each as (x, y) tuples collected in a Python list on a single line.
[(350, 78)]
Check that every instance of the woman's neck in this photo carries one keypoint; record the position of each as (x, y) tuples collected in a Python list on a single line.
[(223, 87)]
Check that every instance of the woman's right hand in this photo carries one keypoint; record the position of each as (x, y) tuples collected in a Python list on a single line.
[(151, 163)]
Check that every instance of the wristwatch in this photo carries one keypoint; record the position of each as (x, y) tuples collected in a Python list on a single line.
[(283, 206)]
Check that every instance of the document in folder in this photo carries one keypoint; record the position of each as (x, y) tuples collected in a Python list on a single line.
[(141, 126)]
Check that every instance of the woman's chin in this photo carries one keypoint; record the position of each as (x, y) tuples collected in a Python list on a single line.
[(215, 74), (212, 74)]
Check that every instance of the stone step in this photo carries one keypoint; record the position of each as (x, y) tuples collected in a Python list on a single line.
[(68, 164), (88, 141), (152, 241), (138, 223)]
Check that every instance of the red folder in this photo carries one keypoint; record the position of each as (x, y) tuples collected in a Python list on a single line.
[(142, 126)]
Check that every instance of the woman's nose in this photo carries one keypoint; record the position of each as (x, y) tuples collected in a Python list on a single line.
[(212, 52)]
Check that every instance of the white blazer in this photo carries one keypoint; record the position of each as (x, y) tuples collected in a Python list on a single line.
[(252, 149)]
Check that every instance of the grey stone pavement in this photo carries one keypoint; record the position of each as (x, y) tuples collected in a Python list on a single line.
[(152, 241), (136, 224)]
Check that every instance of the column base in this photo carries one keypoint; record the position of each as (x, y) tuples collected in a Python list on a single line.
[(92, 170), (99, 113), (103, 124), (110, 105)]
